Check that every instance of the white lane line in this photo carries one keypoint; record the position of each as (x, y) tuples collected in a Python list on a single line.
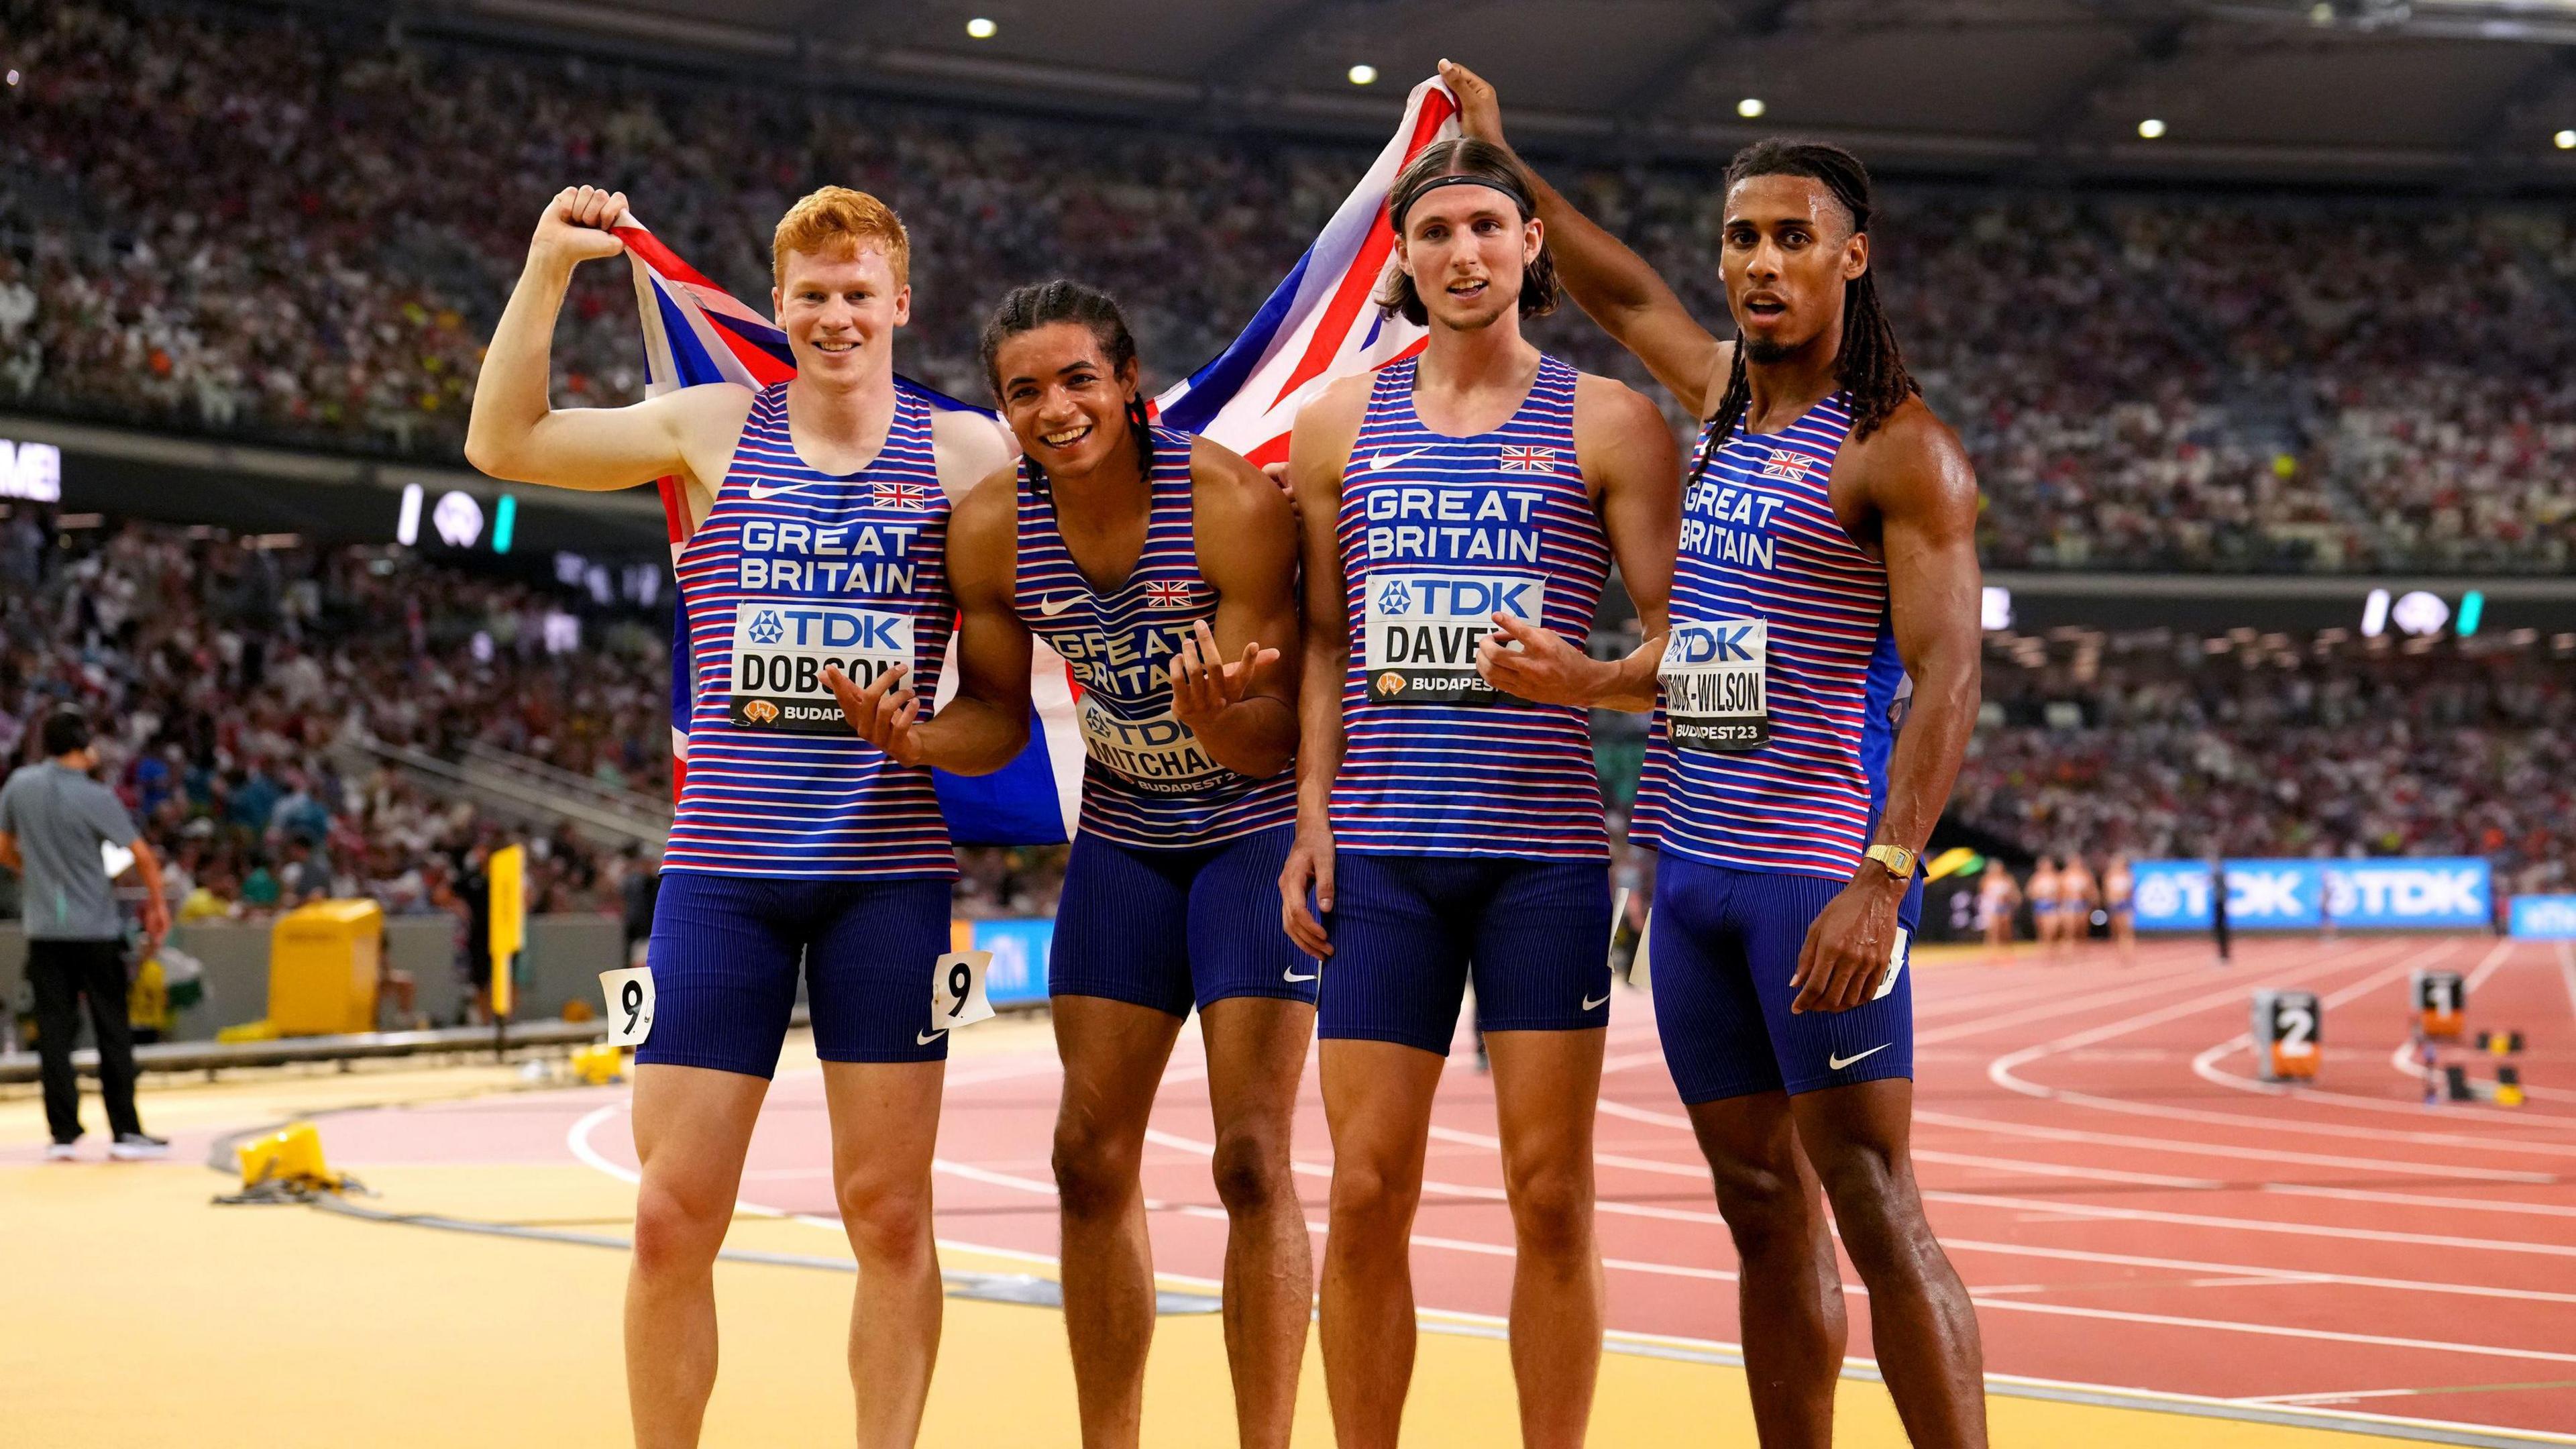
[(2244, 1271), (2001, 1071), (2248, 1225), (2494, 959), (577, 1139), (2068, 1003), (2418, 1199), (1953, 1159), (2183, 1147), (2380, 1135)]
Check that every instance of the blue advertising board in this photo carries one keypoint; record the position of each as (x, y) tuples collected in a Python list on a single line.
[(2397, 893), (2544, 918), (1020, 949)]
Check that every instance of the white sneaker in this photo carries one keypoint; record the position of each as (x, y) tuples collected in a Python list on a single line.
[(136, 1147), (62, 1152)]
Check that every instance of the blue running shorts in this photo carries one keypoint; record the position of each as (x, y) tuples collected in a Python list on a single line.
[(1169, 929), (727, 951), (1409, 930), (1724, 944)]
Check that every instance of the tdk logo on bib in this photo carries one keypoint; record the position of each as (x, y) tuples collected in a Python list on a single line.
[(1156, 752), (1716, 684), (781, 648), (1422, 630)]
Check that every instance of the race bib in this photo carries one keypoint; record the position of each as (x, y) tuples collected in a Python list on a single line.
[(1158, 753), (780, 649), (1715, 686), (630, 1005), (1422, 630), (1895, 966), (957, 990)]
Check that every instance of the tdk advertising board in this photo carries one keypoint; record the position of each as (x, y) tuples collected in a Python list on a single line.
[(2441, 893)]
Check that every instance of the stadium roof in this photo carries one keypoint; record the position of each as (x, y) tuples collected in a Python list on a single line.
[(2415, 91)]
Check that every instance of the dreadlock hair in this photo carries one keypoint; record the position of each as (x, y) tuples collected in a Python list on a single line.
[(1443, 163), (1043, 304), (1868, 364)]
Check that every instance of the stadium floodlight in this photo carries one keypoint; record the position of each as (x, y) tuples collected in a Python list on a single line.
[(2374, 614), (13, 77), (2420, 614), (1363, 75), (2564, 140), (458, 519), (407, 527), (33, 471), (981, 28), (2151, 128), (1751, 108)]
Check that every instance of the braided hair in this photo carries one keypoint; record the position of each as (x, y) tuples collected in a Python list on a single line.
[(1868, 364), (1043, 304)]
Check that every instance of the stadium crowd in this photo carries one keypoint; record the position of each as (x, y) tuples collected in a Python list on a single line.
[(2158, 744), (207, 222)]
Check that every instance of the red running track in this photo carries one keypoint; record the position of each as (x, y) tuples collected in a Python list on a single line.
[(2129, 1208)]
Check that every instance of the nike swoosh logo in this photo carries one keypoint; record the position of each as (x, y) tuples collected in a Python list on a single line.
[(1053, 607), (1385, 460), (1835, 1064), (760, 494), (1595, 1003), (925, 1038), (1309, 976)]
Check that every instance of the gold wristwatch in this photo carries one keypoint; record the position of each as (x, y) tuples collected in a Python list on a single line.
[(1898, 860)]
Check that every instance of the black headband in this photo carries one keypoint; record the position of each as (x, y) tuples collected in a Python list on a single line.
[(1511, 189)]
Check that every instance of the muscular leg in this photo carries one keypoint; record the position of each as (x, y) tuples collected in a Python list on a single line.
[(1922, 1326), (1790, 1300), (885, 1124), (1113, 1060), (1256, 1048), (1545, 1086), (692, 1126), (1377, 1099)]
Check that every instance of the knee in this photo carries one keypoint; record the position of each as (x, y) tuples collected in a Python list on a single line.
[(1094, 1173), (1552, 1210), (677, 1231), (885, 1218), (1370, 1201), (1765, 1207), (1252, 1170), (1874, 1205)]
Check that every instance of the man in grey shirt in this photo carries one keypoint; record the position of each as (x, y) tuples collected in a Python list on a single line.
[(54, 819)]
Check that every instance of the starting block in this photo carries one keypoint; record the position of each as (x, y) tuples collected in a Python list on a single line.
[(2441, 1001), (2288, 1025), (288, 1159), (2500, 1043)]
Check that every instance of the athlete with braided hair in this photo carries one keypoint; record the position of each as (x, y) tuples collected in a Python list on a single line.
[(1827, 573)]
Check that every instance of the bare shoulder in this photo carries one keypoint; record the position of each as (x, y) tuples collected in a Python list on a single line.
[(1228, 490), (970, 445), (983, 531), (1331, 419), (708, 420), (1607, 402), (1914, 459)]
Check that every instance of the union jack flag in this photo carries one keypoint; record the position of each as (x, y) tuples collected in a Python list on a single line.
[(1788, 467), (1315, 328), (1529, 460)]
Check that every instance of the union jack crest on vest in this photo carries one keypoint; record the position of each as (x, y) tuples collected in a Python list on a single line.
[(1530, 460), (1168, 594), (903, 495), (1788, 467)]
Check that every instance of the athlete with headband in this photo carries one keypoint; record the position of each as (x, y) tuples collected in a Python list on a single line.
[(1448, 826), (1164, 569)]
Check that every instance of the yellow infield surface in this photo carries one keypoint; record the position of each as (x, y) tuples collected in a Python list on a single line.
[(146, 1316)]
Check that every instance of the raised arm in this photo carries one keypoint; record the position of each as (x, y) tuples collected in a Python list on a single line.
[(1924, 494), (1612, 284), (1235, 684), (987, 724), (1318, 450), (1628, 456), (515, 433)]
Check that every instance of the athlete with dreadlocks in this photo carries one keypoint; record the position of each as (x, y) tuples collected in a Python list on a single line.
[(1164, 569), (1828, 554)]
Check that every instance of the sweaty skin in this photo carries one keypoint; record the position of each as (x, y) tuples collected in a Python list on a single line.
[(1907, 494)]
